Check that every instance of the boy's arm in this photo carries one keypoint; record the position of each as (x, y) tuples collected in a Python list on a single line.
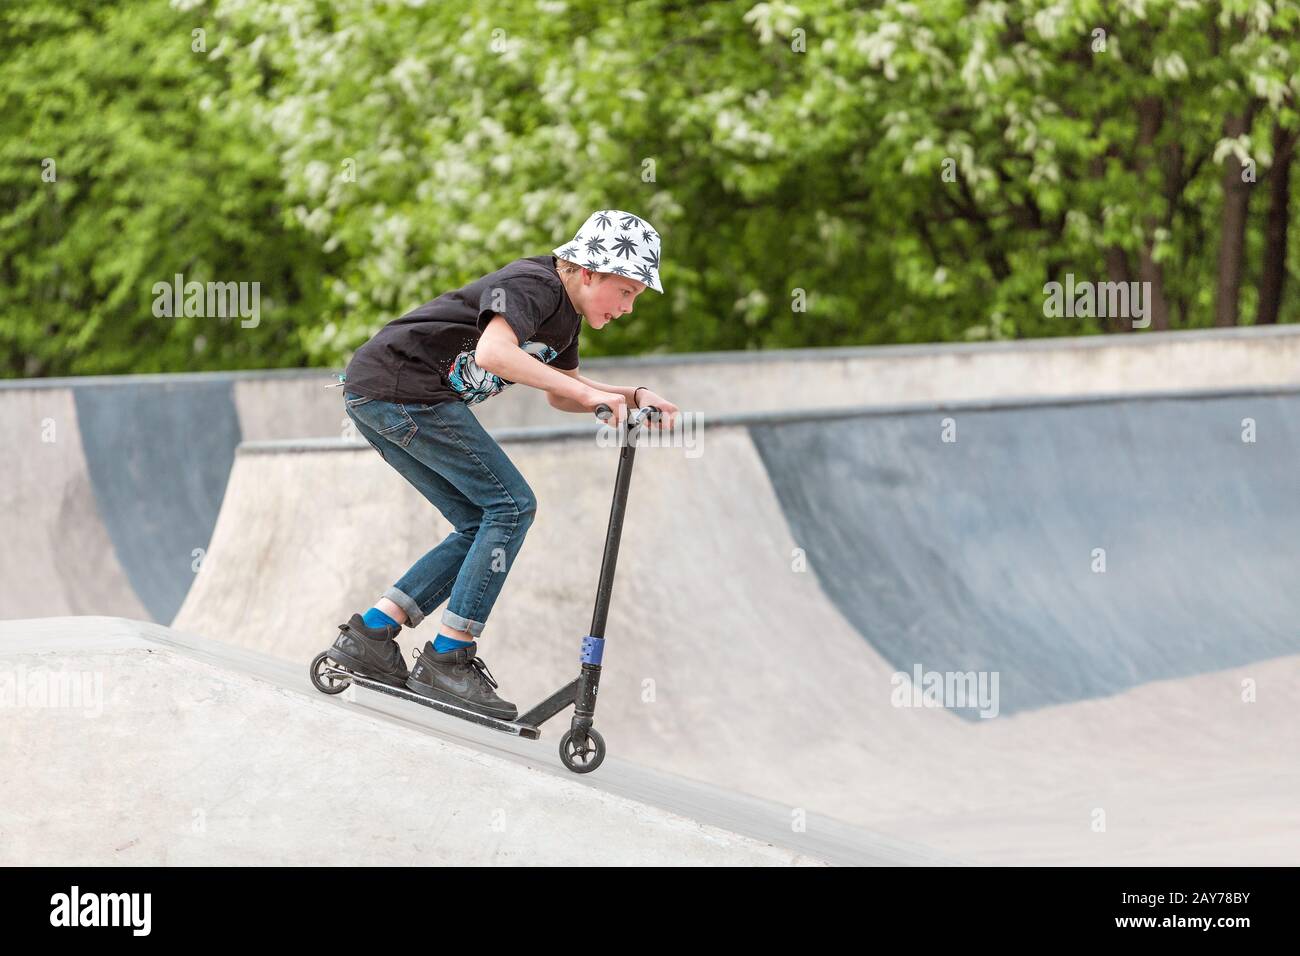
[(668, 410), (624, 390), (498, 352)]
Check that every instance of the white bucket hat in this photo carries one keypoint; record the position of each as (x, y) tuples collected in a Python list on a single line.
[(616, 242)]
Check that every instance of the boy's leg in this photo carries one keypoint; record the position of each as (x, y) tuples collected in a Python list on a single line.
[(429, 581), (392, 610), (398, 615), (449, 439)]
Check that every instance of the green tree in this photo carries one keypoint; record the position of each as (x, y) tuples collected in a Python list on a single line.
[(824, 172)]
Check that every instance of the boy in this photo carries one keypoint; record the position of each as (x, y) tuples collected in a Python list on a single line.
[(409, 390)]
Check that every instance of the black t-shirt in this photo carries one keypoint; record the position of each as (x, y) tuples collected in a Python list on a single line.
[(427, 356)]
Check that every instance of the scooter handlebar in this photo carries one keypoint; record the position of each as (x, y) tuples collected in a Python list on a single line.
[(635, 418)]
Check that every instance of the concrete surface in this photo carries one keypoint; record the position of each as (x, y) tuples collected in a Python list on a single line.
[(978, 553), (777, 583), (143, 460), (126, 743), (159, 457), (58, 557), (1143, 716)]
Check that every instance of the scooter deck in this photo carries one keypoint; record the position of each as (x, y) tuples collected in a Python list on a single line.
[(527, 731)]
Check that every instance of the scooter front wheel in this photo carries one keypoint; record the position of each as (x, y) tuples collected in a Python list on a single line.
[(326, 683), (582, 759)]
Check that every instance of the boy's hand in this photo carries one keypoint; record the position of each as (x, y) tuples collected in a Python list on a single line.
[(594, 397), (646, 397)]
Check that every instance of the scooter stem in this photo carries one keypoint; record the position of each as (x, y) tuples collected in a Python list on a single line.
[(614, 532)]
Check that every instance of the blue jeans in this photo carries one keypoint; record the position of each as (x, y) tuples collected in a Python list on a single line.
[(450, 458)]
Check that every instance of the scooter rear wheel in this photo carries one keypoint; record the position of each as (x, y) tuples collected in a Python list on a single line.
[(582, 759), (323, 683)]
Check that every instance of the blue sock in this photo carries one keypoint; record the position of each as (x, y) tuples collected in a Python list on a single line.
[(444, 644), (378, 619)]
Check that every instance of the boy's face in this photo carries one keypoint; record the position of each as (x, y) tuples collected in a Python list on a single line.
[(603, 297)]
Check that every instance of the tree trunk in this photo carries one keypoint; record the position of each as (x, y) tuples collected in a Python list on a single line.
[(1232, 242), (1273, 275), (1117, 271), (1150, 116), (1116, 259)]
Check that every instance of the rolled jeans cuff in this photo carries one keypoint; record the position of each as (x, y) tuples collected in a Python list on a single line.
[(412, 610), (475, 628)]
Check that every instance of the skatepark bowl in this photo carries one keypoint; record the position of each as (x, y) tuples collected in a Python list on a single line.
[(1002, 627)]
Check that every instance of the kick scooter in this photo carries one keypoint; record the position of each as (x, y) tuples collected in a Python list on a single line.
[(582, 749)]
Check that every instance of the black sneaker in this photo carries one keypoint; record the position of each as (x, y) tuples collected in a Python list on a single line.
[(459, 677), (369, 652)]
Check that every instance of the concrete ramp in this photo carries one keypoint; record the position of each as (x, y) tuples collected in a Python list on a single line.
[(58, 556), (159, 457), (123, 475), (1077, 549), (745, 651), (124, 743)]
